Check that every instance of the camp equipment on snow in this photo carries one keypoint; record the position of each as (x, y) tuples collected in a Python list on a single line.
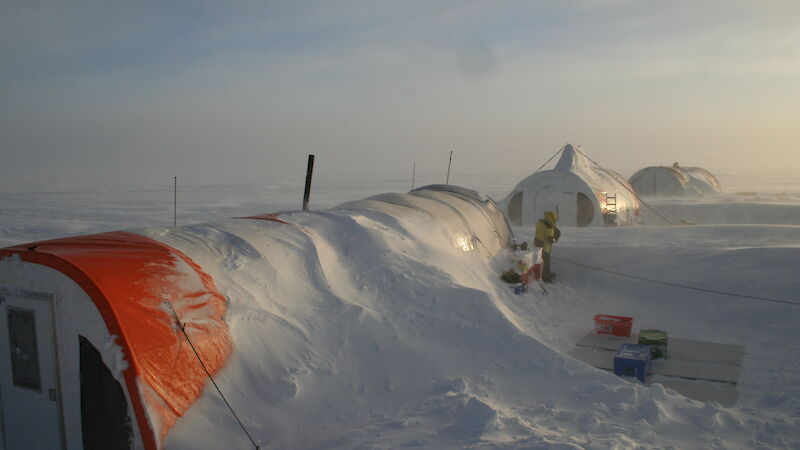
[(532, 274), (510, 276), (613, 325), (533, 264), (657, 339), (633, 360), (704, 371)]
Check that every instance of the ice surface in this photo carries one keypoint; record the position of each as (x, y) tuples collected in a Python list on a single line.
[(352, 332)]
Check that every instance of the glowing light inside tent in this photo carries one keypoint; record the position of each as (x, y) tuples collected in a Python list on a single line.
[(464, 242)]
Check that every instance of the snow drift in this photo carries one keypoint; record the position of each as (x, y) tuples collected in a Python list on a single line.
[(382, 324)]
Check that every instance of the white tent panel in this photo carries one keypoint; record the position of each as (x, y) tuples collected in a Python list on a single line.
[(580, 192), (674, 181), (465, 215), (70, 315)]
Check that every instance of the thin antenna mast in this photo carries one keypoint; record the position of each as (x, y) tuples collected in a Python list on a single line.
[(309, 173), (413, 174), (175, 202), (447, 180)]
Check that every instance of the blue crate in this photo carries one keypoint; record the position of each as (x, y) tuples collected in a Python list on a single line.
[(633, 360)]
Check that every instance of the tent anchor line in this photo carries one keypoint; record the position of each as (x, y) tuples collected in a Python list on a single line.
[(683, 286), (550, 159), (182, 327)]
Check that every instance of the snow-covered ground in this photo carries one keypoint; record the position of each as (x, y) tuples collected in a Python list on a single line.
[(358, 333)]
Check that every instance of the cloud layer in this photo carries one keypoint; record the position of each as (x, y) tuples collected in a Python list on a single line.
[(128, 90)]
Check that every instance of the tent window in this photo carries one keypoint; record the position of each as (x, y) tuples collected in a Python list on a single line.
[(585, 210), (104, 409), (515, 209), (24, 351)]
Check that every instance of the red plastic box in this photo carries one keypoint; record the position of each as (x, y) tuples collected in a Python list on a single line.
[(532, 274), (614, 325)]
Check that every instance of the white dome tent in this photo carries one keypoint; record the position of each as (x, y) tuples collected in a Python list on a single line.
[(674, 181), (582, 193)]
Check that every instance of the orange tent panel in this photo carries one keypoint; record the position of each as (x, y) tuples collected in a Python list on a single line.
[(133, 281)]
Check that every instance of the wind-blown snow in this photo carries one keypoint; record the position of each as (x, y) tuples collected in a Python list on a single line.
[(114, 358), (355, 331)]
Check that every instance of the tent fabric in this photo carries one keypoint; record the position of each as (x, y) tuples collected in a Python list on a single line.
[(584, 193), (665, 181), (269, 217), (473, 219), (132, 279), (674, 181), (573, 160), (485, 205), (703, 180)]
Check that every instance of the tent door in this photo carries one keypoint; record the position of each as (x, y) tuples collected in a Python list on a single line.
[(104, 410), (29, 388), (584, 210), (515, 209)]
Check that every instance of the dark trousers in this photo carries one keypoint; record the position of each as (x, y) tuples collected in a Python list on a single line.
[(546, 274)]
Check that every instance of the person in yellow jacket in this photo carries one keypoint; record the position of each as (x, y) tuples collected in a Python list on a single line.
[(547, 234)]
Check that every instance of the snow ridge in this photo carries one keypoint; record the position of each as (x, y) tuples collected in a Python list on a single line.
[(357, 329)]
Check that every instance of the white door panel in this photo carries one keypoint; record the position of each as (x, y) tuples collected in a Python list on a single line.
[(28, 373)]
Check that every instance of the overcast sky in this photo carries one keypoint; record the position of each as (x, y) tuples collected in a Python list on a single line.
[(227, 90)]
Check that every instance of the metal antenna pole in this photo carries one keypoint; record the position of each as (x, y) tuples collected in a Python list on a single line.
[(447, 180), (309, 172), (413, 174), (175, 202)]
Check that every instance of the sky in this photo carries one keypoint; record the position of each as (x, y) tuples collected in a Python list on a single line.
[(113, 91)]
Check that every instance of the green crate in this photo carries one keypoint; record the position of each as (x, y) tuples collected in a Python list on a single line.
[(657, 339)]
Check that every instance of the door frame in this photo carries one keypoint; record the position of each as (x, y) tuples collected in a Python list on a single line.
[(50, 299)]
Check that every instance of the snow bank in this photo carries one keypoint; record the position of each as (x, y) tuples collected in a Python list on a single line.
[(362, 329), (743, 208), (359, 329)]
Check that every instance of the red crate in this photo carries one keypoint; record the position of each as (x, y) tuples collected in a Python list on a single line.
[(532, 274), (614, 325)]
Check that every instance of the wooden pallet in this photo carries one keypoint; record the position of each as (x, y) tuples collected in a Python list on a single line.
[(704, 371)]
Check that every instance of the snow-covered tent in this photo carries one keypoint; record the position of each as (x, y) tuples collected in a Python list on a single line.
[(92, 345), (455, 207), (674, 181), (582, 193)]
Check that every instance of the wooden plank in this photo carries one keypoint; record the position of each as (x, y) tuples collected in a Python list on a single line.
[(673, 367), (606, 342), (705, 351), (595, 357), (676, 348), (704, 391), (699, 380), (695, 370), (701, 390)]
